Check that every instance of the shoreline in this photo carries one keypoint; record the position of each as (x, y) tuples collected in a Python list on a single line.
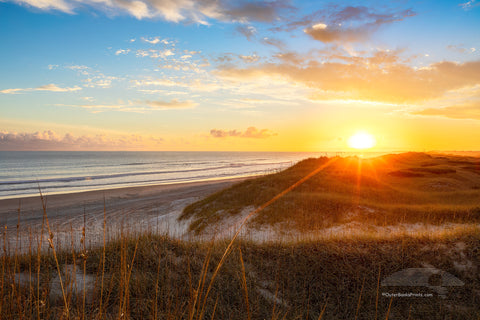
[(130, 209), (32, 201), (109, 189)]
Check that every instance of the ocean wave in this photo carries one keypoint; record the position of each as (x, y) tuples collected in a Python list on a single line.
[(99, 186), (133, 174)]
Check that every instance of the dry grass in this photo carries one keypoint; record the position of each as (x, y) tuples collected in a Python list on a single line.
[(151, 276), (155, 277), (404, 188)]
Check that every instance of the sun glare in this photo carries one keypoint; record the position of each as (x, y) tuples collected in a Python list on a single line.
[(362, 140)]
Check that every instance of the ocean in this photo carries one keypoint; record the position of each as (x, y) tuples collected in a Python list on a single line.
[(22, 173)]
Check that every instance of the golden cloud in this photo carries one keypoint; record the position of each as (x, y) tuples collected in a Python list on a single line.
[(376, 78), (466, 111), (48, 87), (251, 132), (172, 104)]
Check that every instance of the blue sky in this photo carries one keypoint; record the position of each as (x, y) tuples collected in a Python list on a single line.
[(238, 75)]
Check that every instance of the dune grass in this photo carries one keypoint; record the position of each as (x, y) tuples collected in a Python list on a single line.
[(153, 276), (381, 191)]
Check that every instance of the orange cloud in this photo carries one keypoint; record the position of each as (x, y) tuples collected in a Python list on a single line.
[(48, 87), (378, 78), (326, 34), (465, 111), (345, 25), (172, 104)]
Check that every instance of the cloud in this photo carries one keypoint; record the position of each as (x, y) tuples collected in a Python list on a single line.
[(249, 59), (50, 140), (151, 41), (350, 24), (49, 87), (60, 5), (378, 78), (138, 9), (469, 5), (122, 51), (94, 78), (461, 49), (77, 67), (198, 11), (263, 11), (155, 82), (54, 88), (279, 44), (99, 80), (155, 53), (97, 108), (193, 85), (465, 111), (291, 58), (172, 104), (248, 31), (251, 132), (137, 107), (326, 34)]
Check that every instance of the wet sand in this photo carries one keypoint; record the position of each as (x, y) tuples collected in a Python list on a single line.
[(133, 209)]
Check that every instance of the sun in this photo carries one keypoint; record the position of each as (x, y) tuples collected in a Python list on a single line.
[(362, 140)]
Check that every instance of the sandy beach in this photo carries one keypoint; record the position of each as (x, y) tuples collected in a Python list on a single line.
[(147, 208)]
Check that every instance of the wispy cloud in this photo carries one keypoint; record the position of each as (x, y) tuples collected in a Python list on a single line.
[(99, 81), (264, 11), (248, 31), (93, 78), (138, 9), (122, 51), (279, 44), (465, 111), (156, 82), (251, 132), (469, 5), (350, 24), (50, 140), (135, 107), (192, 85), (379, 78), (343, 24), (461, 48), (155, 40), (155, 53), (175, 11), (172, 104), (77, 67), (97, 108), (48, 87), (60, 5), (249, 59)]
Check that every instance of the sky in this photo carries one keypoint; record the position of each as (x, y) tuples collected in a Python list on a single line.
[(245, 75)]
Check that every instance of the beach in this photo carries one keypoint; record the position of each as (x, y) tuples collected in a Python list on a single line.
[(133, 209)]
